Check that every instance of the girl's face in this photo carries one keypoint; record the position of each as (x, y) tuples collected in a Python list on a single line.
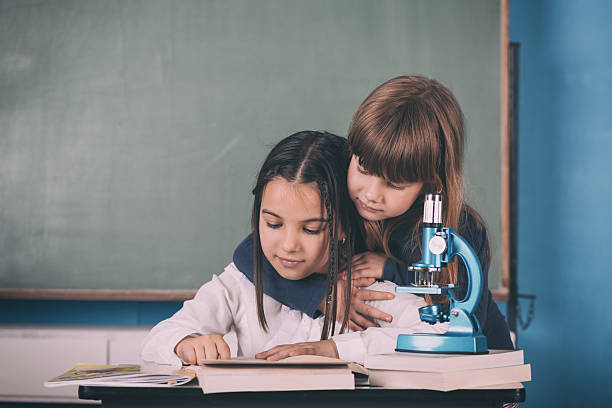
[(293, 229), (377, 199)]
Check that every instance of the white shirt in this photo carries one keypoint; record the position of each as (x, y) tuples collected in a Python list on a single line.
[(227, 304)]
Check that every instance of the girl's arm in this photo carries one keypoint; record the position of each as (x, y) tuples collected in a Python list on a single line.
[(378, 340), (355, 346), (211, 311)]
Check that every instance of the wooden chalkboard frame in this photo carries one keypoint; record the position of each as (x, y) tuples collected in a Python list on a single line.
[(503, 292), (500, 294)]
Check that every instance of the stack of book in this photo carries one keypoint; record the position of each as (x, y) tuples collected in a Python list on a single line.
[(447, 372)]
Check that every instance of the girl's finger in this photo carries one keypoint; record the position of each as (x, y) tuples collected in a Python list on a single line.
[(223, 349), (362, 273), (362, 282), (280, 354), (368, 294), (273, 351), (188, 355), (210, 350), (354, 326), (371, 312), (200, 354), (302, 351), (264, 354), (360, 320), (357, 258)]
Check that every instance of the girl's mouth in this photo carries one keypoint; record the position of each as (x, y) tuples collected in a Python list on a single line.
[(289, 263), (367, 208)]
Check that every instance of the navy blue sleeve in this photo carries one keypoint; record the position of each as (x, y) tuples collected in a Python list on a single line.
[(397, 273), (304, 295), (496, 328)]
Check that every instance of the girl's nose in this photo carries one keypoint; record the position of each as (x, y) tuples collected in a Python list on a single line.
[(373, 191), (290, 242)]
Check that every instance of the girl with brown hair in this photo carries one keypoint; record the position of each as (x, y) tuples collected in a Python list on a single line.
[(406, 140)]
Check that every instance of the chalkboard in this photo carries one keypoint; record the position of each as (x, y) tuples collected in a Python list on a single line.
[(131, 131)]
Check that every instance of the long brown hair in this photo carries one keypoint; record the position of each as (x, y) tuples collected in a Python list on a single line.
[(410, 129), (321, 158)]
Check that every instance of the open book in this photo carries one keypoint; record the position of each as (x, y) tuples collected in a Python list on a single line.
[(290, 374), (123, 375)]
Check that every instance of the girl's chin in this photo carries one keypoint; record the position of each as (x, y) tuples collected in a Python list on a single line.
[(370, 216), (290, 273), (292, 276)]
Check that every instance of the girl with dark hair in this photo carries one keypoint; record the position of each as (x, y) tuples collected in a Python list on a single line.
[(302, 164), (406, 140), (305, 229)]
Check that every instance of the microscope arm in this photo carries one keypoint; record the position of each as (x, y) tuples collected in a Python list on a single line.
[(473, 271)]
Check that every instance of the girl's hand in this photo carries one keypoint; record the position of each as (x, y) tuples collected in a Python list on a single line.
[(366, 267), (194, 350), (361, 315), (326, 348)]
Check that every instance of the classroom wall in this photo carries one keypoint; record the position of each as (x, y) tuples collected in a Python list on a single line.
[(565, 163)]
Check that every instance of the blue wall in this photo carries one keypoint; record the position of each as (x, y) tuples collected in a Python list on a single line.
[(76, 312), (565, 191)]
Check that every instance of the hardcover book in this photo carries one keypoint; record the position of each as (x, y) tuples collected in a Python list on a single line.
[(444, 362), (289, 374), (451, 380)]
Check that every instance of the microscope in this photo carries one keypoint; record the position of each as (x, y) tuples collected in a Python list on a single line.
[(440, 246)]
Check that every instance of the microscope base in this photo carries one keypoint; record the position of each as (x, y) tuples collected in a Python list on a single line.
[(448, 343)]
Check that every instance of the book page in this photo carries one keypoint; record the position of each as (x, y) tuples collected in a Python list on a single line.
[(296, 360)]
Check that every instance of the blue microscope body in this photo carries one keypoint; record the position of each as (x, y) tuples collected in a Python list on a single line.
[(440, 246)]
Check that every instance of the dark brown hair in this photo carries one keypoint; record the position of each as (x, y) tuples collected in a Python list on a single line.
[(320, 158), (410, 129)]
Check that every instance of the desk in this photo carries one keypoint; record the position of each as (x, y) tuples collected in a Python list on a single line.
[(192, 396)]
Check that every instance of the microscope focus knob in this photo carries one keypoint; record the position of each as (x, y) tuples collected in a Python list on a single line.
[(437, 245)]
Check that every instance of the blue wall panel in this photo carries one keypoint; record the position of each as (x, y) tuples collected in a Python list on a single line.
[(73, 312), (565, 190)]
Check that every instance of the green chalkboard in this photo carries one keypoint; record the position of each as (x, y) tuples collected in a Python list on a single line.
[(131, 131)]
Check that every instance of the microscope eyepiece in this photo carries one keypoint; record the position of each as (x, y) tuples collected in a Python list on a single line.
[(432, 210)]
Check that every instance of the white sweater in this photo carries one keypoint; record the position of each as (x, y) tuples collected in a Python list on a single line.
[(227, 304)]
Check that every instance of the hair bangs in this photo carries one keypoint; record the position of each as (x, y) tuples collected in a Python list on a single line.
[(403, 147)]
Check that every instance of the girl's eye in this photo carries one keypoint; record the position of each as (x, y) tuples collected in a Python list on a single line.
[(274, 226), (394, 186), (312, 231), (362, 170)]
